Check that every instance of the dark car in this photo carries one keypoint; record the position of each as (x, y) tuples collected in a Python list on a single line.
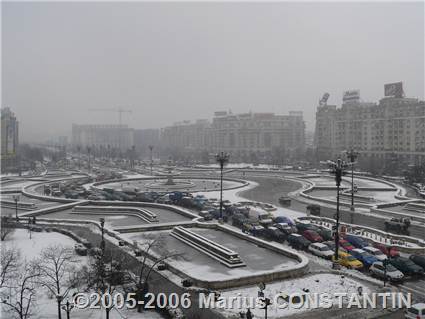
[(239, 219), (406, 266), (325, 233), (283, 219), (298, 242), (312, 236), (301, 226), (418, 260), (275, 234), (285, 228), (356, 241)]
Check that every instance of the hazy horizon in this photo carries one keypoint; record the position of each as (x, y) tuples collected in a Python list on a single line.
[(174, 61)]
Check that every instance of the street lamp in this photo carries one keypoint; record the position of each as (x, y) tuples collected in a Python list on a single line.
[(337, 168), (222, 158), (151, 149), (102, 243), (79, 156), (67, 307), (16, 199), (88, 153), (352, 156)]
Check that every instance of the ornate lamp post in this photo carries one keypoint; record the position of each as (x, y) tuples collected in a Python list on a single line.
[(102, 227), (88, 153), (16, 199), (151, 149), (222, 158), (337, 168), (352, 156)]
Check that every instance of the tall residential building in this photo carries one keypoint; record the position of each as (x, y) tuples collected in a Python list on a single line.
[(391, 130), (105, 136), (185, 135), (9, 139)]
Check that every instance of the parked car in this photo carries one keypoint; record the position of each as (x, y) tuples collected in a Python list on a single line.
[(416, 311), (275, 234), (348, 261), (389, 251), (80, 249), (284, 219), (321, 250), (325, 233), (238, 220), (345, 245), (285, 228), (205, 214), (375, 252), (305, 225), (418, 260), (298, 242), (312, 236), (393, 274), (366, 258), (330, 244), (356, 241), (406, 266)]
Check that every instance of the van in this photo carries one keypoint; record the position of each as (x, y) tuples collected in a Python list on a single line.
[(259, 215)]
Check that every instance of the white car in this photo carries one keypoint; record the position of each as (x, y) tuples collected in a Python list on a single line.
[(375, 252), (393, 274), (321, 250), (417, 311)]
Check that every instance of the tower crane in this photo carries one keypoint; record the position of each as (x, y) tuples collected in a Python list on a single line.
[(120, 111)]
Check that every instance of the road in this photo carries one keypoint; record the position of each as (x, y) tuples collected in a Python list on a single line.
[(271, 188)]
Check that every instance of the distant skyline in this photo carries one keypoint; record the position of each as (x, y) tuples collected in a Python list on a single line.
[(174, 61)]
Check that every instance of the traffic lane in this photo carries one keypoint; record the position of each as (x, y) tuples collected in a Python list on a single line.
[(269, 190)]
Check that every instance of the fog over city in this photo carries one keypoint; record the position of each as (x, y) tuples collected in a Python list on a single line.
[(175, 61)]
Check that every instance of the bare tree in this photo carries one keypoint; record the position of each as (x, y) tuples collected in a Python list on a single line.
[(21, 291), (10, 259), (57, 272), (6, 227), (157, 244)]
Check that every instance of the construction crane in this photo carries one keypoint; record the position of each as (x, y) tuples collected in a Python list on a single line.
[(119, 110)]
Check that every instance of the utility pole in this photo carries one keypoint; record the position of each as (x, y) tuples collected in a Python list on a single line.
[(222, 158)]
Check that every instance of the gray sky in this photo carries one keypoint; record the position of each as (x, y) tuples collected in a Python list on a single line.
[(176, 61)]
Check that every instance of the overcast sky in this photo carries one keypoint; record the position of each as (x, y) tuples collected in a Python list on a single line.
[(174, 61)]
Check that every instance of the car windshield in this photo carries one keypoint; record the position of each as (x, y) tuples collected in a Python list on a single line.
[(351, 258), (325, 248), (391, 268)]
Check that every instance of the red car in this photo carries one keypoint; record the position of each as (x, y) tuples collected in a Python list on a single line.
[(312, 236), (389, 251), (346, 245)]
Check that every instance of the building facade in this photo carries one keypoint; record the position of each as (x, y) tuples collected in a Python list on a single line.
[(102, 136), (392, 130), (9, 140), (255, 137)]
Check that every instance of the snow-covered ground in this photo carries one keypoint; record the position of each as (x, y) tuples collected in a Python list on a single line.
[(46, 307), (319, 283)]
